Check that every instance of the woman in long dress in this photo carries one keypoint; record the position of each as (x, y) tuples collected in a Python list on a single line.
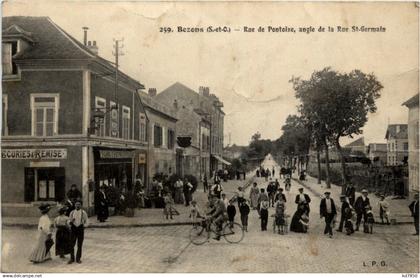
[(299, 220), (40, 253), (253, 196), (63, 236)]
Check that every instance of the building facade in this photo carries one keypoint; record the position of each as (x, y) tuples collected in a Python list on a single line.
[(377, 153), (208, 106), (413, 143), (160, 122), (67, 119), (397, 144)]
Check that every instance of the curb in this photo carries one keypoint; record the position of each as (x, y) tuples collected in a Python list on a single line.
[(338, 207)]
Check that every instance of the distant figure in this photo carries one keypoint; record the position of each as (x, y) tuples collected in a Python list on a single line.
[(205, 183), (350, 193), (384, 210), (258, 173), (101, 204), (194, 212), (414, 208), (273, 172), (253, 196), (169, 203), (264, 215)]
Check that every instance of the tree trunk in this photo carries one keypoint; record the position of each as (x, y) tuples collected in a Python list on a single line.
[(343, 166), (327, 164), (298, 165), (318, 160)]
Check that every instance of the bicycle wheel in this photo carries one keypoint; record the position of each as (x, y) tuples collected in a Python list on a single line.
[(199, 235), (233, 233)]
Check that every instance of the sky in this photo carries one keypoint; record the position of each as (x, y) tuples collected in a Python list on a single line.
[(250, 72)]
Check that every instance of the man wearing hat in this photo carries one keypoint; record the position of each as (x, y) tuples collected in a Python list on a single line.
[(359, 205), (350, 193), (328, 211), (218, 214), (78, 221), (345, 206), (303, 198), (414, 208)]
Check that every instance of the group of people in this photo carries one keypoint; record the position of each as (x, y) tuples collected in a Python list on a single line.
[(69, 228), (265, 173)]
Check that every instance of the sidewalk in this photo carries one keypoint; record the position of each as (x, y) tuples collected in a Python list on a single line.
[(398, 207), (142, 217)]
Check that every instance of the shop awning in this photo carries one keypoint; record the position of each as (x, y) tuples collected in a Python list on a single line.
[(221, 159)]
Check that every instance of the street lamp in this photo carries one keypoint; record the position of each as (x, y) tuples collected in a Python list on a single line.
[(98, 117)]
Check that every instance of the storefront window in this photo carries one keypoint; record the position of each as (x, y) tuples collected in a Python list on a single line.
[(44, 184)]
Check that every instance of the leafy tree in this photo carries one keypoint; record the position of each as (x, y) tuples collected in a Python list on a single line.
[(339, 103)]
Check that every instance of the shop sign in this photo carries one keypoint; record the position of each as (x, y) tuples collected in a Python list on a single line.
[(115, 154), (142, 158), (35, 154)]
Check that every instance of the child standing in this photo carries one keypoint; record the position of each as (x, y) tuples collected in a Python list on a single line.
[(231, 211), (264, 215), (194, 212), (244, 210), (169, 202), (384, 210), (280, 217)]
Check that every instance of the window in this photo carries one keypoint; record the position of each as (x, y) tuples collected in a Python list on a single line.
[(100, 104), (4, 127), (157, 136), (44, 114), (142, 127), (171, 139), (126, 123), (405, 146), (113, 125), (9, 49)]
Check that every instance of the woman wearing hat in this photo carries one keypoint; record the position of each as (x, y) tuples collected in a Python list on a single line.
[(63, 237), (41, 252)]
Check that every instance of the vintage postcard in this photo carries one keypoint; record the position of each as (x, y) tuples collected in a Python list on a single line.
[(210, 137)]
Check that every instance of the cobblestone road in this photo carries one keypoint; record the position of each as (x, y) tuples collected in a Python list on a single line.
[(167, 249)]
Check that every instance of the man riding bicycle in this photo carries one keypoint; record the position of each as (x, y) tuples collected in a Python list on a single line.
[(218, 214)]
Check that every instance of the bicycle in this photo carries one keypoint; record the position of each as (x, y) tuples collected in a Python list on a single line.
[(200, 234)]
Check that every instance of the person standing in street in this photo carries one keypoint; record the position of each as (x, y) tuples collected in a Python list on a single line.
[(328, 211), (179, 199), (264, 214), (263, 197), (345, 206), (187, 192), (280, 195), (40, 253), (384, 210), (63, 237), (253, 196), (78, 222), (231, 212), (205, 183), (303, 199), (244, 211), (414, 208), (101, 204), (360, 206)]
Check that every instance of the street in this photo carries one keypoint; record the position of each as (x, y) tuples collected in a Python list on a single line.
[(167, 248)]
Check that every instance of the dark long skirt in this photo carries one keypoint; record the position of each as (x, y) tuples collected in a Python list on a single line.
[(63, 241), (296, 226), (102, 212)]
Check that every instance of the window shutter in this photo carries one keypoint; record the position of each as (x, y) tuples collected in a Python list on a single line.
[(7, 58), (29, 184)]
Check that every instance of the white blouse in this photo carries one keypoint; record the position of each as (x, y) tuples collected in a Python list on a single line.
[(44, 224)]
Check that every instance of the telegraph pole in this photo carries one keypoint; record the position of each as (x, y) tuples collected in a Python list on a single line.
[(117, 52)]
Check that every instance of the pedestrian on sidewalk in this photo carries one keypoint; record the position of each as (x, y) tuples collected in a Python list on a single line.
[(101, 204), (41, 252), (384, 212), (217, 190), (253, 195), (328, 211), (63, 236), (264, 214), (303, 199), (231, 211), (78, 222), (414, 208), (187, 192), (244, 211), (359, 205), (169, 204), (279, 217), (271, 190), (287, 183)]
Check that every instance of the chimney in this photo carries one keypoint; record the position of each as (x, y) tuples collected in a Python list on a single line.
[(85, 35), (152, 92), (93, 47), (206, 91), (201, 90), (175, 104)]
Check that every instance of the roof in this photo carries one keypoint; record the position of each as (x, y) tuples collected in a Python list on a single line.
[(52, 43), (392, 131), (149, 102), (413, 101), (356, 143)]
